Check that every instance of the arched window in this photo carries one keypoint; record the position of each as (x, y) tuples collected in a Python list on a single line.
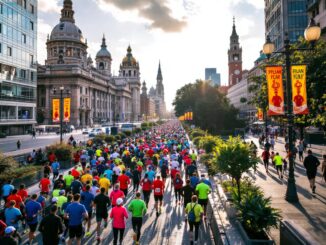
[(129, 73), (101, 66)]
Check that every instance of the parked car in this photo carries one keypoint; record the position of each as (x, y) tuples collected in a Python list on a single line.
[(95, 131), (85, 131)]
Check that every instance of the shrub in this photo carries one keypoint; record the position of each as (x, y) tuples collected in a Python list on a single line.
[(209, 160), (7, 163), (197, 132), (122, 135), (117, 137), (144, 128), (145, 125), (63, 152), (196, 140), (14, 173), (128, 133), (109, 139), (209, 143), (137, 130), (99, 139)]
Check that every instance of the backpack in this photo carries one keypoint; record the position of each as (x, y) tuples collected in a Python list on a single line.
[(191, 215), (177, 181)]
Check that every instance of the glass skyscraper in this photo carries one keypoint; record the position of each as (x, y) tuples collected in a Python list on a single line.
[(285, 16), (18, 68), (211, 74)]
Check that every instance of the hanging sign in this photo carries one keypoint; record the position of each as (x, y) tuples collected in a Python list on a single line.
[(66, 109), (260, 114), (55, 110), (275, 90), (299, 90)]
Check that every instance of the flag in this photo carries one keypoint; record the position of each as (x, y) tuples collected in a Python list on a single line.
[(56, 110), (275, 90), (66, 109), (299, 89)]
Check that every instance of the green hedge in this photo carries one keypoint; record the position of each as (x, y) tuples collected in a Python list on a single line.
[(63, 152), (14, 173)]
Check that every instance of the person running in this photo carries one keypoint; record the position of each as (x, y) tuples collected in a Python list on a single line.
[(194, 212), (87, 198), (9, 236), (311, 164), (51, 227), (105, 183), (278, 160), (203, 191), (118, 215), (76, 186), (101, 202), (68, 179), (32, 208), (138, 209), (44, 185), (265, 155), (6, 190), (116, 194), (164, 171), (13, 215), (187, 192), (124, 181), (75, 212), (136, 176), (158, 186), (178, 183), (55, 169), (147, 188)]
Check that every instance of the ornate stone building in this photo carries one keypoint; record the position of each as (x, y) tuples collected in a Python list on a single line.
[(96, 95)]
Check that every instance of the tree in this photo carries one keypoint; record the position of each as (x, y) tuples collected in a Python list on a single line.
[(40, 117), (211, 109), (235, 158)]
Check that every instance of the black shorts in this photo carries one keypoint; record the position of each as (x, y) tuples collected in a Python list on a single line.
[(75, 231), (158, 198), (203, 202), (90, 214), (102, 215), (32, 227)]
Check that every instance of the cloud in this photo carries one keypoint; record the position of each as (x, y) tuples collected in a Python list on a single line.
[(49, 6), (157, 12), (44, 30)]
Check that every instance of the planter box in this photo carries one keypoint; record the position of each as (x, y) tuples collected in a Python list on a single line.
[(29, 180), (249, 241)]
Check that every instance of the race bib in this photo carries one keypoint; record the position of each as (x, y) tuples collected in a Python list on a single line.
[(157, 190)]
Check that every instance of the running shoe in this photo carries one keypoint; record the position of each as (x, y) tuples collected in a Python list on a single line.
[(134, 237), (88, 234)]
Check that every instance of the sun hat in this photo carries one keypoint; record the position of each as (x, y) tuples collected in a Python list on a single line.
[(119, 201), (10, 229)]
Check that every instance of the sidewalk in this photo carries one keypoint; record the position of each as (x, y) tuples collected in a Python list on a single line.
[(310, 212)]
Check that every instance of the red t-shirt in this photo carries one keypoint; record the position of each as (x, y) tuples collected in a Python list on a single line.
[(45, 183), (146, 184), (23, 194), (124, 181), (51, 158), (158, 186), (174, 173), (115, 194), (16, 198), (75, 173)]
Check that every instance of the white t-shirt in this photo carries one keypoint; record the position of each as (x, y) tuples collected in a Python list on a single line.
[(174, 164)]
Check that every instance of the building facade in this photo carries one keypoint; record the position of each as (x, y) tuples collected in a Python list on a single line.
[(285, 17), (96, 95), (212, 75), (18, 50), (317, 10), (234, 58), (147, 104)]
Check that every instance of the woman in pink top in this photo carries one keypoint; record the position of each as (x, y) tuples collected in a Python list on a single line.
[(119, 215), (115, 194)]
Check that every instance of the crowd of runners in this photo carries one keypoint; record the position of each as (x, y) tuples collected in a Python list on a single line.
[(111, 184)]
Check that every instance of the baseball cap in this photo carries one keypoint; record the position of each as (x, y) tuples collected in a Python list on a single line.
[(62, 192), (54, 200), (119, 201), (9, 229)]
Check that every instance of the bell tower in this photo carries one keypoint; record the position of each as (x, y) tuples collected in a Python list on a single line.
[(235, 58)]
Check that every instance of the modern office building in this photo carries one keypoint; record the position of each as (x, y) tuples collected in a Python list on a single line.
[(285, 16), (18, 35), (212, 75), (317, 10)]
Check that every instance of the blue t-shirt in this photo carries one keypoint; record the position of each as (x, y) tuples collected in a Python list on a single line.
[(194, 181), (55, 167), (75, 212), (151, 175), (86, 199), (7, 189), (11, 216), (109, 174), (32, 208)]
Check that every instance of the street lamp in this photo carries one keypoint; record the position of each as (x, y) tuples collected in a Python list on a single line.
[(312, 34), (61, 88)]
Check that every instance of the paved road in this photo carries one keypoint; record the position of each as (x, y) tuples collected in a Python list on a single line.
[(9, 144), (168, 229)]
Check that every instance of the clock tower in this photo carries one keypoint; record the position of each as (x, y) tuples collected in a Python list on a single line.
[(235, 58)]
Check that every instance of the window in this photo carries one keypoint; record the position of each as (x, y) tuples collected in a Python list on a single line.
[(31, 59), (24, 4), (1, 8), (32, 25), (31, 6), (24, 38), (23, 73), (25, 113), (32, 76), (0, 48), (9, 51), (81, 90), (0, 27)]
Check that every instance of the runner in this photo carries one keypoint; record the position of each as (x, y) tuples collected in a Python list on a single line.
[(194, 213), (203, 190), (51, 227), (87, 198), (279, 165), (147, 188), (187, 192), (116, 194), (138, 209), (178, 182), (75, 212), (136, 176), (101, 202), (124, 181), (32, 208), (118, 214), (158, 187)]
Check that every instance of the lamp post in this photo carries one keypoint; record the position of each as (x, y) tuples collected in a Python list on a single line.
[(61, 88), (312, 34)]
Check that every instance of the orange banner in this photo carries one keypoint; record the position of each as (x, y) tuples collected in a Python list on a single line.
[(275, 90), (182, 118), (55, 110), (191, 116), (260, 114), (299, 90), (66, 109)]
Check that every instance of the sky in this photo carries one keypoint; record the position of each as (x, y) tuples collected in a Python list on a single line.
[(187, 36)]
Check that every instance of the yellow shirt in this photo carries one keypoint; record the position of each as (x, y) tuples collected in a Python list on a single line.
[(105, 183), (98, 153), (86, 177), (278, 160), (122, 167)]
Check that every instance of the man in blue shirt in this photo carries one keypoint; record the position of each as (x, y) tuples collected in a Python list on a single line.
[(75, 213), (6, 190), (55, 169), (12, 215), (194, 180), (151, 174), (87, 199), (32, 208), (109, 174)]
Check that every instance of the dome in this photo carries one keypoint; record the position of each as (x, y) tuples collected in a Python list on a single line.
[(129, 60), (103, 53), (66, 31)]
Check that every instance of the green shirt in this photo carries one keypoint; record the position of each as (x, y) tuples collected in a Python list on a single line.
[(198, 210), (68, 179), (55, 192), (61, 201), (137, 207), (203, 190), (278, 160)]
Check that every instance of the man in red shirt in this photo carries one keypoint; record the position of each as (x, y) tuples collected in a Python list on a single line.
[(22, 192), (51, 157), (158, 186), (15, 197), (124, 182), (115, 194), (75, 172), (44, 185)]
